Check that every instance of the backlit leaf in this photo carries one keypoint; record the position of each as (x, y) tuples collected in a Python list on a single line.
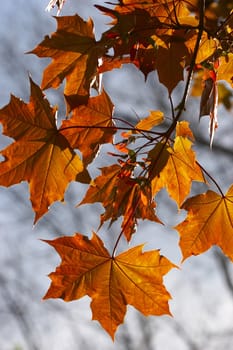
[(175, 167), (122, 195), (167, 11), (90, 126), (74, 54), (173, 58), (155, 118), (206, 49), (40, 154), (209, 222), (131, 278), (225, 71)]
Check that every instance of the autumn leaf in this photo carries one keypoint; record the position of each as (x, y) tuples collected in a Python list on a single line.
[(122, 195), (129, 28), (209, 222), (145, 59), (131, 278), (154, 118), (138, 32), (130, 37), (40, 154), (108, 63), (74, 54), (206, 49), (90, 126), (225, 71), (173, 58), (183, 130), (175, 167), (225, 94), (166, 11)]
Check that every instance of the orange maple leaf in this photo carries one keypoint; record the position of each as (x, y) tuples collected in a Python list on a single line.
[(90, 126), (41, 155), (225, 71), (167, 11), (209, 222), (175, 167), (122, 195), (173, 57), (133, 277), (74, 54), (139, 28)]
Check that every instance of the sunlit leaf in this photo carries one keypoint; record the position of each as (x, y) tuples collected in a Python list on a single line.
[(131, 278), (155, 118), (173, 59), (206, 49), (74, 54), (90, 126), (225, 71), (175, 167), (122, 195), (209, 222), (40, 154)]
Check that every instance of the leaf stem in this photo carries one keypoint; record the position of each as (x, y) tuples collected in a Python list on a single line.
[(181, 106), (123, 228), (116, 128), (211, 178)]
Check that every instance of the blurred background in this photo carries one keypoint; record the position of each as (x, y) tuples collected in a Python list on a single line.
[(202, 289)]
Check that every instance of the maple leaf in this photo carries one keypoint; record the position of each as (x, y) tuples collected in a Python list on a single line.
[(90, 126), (166, 11), (74, 54), (133, 277), (138, 32), (173, 58), (153, 119), (130, 27), (145, 59), (122, 195), (40, 154), (206, 49), (225, 71), (209, 222), (109, 63), (175, 167), (131, 35)]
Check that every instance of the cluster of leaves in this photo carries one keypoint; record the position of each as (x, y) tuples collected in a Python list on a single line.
[(180, 39)]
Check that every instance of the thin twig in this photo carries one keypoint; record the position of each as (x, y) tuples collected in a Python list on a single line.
[(211, 178)]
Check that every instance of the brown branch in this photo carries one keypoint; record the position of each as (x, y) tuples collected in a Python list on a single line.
[(181, 106)]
